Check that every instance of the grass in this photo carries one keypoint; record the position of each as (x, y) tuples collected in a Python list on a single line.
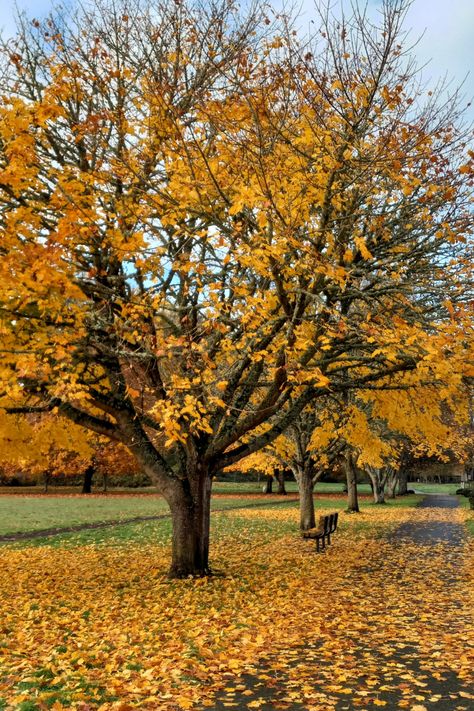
[(219, 487), (464, 503), (159, 531), (33, 513), (118, 572), (431, 488), (93, 626), (26, 512)]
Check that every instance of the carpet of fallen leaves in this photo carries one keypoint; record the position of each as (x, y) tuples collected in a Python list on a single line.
[(103, 628)]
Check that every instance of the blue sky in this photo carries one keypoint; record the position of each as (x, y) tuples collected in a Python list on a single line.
[(447, 44)]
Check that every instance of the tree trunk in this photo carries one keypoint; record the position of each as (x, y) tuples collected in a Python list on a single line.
[(105, 482), (392, 482), (402, 482), (280, 477), (268, 488), (351, 478), (304, 478), (87, 482), (379, 492), (378, 484), (190, 513), (47, 477)]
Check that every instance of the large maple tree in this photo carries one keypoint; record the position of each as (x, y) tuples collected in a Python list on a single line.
[(205, 227)]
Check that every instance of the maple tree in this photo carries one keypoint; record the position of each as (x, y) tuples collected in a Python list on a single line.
[(52, 446), (43, 448), (206, 226), (306, 452)]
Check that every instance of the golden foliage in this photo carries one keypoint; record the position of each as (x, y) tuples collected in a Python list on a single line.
[(105, 627)]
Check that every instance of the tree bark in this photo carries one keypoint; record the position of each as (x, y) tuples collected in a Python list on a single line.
[(47, 477), (304, 479), (280, 477), (87, 481), (351, 478), (392, 482), (378, 484), (402, 482), (190, 514), (268, 488)]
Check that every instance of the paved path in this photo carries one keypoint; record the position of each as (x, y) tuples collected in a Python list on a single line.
[(446, 691), (436, 531)]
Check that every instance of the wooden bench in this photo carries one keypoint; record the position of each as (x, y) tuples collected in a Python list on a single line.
[(327, 525)]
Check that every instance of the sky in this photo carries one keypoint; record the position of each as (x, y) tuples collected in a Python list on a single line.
[(447, 27)]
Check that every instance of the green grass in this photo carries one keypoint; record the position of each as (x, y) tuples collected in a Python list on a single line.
[(20, 513), (464, 503), (159, 531), (410, 500), (255, 487), (28, 513), (431, 488)]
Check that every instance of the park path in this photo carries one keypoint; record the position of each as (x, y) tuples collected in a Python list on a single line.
[(394, 667), (436, 531)]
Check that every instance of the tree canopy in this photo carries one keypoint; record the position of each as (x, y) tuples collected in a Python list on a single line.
[(208, 223)]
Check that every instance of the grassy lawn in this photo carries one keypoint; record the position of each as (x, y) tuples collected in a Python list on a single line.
[(434, 488), (464, 503), (254, 487), (30, 514), (219, 487)]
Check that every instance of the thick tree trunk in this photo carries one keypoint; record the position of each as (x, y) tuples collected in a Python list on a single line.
[(392, 482), (402, 482), (105, 482), (47, 477), (379, 492), (190, 512), (304, 478), (378, 484), (268, 488), (280, 477), (351, 478), (87, 481)]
